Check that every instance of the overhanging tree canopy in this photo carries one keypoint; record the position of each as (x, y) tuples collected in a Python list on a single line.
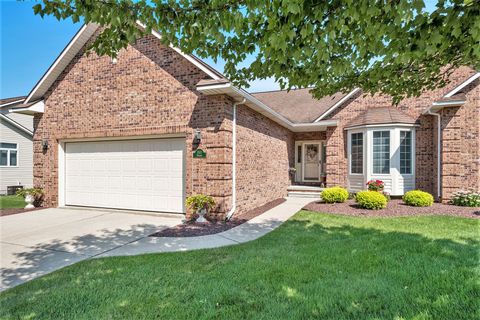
[(383, 46)]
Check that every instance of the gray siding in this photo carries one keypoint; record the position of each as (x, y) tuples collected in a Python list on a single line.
[(23, 173), (22, 119)]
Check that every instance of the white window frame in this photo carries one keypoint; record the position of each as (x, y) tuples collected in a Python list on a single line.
[(390, 162), (364, 138), (8, 155), (412, 149)]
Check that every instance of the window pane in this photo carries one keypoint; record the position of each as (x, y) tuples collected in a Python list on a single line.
[(13, 157), (381, 152), (8, 145), (405, 152), (356, 153), (3, 157), (299, 154)]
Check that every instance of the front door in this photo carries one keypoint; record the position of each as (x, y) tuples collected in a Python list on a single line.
[(311, 161)]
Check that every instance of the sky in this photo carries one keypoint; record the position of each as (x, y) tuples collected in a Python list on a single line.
[(30, 44)]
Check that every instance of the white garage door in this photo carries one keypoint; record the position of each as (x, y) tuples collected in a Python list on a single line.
[(130, 174)]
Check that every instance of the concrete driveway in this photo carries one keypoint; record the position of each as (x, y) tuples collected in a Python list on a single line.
[(35, 243)]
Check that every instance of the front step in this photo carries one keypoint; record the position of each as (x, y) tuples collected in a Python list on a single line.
[(304, 191), (299, 194)]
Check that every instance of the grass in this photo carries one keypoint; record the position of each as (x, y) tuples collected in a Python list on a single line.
[(7, 202), (314, 266)]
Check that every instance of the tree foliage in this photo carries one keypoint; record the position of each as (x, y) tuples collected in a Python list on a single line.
[(389, 46)]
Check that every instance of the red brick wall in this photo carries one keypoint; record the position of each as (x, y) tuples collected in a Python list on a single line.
[(461, 144), (149, 91), (425, 137), (264, 155)]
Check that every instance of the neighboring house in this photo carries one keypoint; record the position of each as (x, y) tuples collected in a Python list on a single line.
[(128, 133), (16, 146)]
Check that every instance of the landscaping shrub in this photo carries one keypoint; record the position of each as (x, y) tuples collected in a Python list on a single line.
[(466, 198), (418, 198), (334, 195), (372, 200), (200, 201)]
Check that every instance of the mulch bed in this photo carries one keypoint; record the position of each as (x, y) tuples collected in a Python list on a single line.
[(395, 208), (194, 229), (10, 211)]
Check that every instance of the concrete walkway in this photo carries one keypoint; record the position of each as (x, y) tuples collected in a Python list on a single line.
[(36, 243), (251, 230)]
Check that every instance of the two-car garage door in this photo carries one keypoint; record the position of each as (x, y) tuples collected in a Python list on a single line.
[(128, 174)]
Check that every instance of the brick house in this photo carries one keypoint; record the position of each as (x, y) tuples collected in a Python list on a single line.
[(156, 125)]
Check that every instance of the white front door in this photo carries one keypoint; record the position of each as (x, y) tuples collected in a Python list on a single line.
[(311, 161), (129, 174)]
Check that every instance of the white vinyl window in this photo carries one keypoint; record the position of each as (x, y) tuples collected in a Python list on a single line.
[(356, 153), (405, 152), (381, 152), (8, 154)]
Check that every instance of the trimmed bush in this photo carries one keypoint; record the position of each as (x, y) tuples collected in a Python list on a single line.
[(418, 198), (334, 195), (372, 200)]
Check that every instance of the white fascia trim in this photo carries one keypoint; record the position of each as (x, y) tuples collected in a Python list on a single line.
[(38, 107), (57, 61), (227, 88), (11, 102), (338, 104), (398, 124), (449, 103), (16, 124), (186, 56), (463, 85)]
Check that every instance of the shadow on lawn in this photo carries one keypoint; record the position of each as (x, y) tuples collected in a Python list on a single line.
[(304, 269)]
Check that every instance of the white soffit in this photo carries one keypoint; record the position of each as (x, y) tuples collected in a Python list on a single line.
[(37, 107)]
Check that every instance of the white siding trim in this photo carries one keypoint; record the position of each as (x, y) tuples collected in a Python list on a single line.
[(338, 104), (16, 124), (463, 85)]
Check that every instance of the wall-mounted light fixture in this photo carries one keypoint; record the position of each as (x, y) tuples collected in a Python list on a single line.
[(197, 136), (45, 144)]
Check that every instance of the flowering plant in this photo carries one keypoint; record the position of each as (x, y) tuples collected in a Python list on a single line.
[(375, 185), (466, 198)]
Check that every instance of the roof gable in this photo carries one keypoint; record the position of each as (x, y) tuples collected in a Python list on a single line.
[(77, 43)]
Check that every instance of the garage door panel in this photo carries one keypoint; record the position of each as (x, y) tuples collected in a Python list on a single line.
[(136, 174)]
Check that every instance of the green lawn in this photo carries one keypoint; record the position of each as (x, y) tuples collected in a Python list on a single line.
[(314, 266), (7, 202)]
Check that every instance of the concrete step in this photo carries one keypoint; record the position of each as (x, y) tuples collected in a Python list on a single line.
[(304, 194)]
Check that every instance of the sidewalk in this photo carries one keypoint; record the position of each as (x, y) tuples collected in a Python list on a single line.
[(251, 230)]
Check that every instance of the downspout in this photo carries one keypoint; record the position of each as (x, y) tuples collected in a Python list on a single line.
[(439, 161), (234, 160)]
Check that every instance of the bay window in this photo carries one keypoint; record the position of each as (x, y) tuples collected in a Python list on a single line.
[(383, 152)]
